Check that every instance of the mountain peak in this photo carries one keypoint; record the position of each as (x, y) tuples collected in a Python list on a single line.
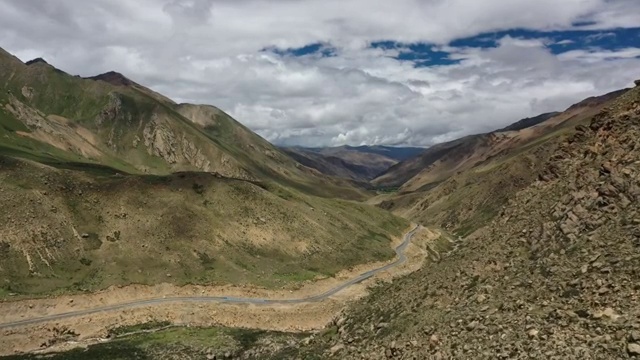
[(37, 61), (113, 78)]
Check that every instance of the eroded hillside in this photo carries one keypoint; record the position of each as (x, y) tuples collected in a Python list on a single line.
[(553, 276)]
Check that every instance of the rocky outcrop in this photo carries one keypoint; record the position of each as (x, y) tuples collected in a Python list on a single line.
[(160, 141), (111, 112)]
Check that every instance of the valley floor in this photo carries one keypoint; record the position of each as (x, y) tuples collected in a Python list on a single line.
[(280, 317)]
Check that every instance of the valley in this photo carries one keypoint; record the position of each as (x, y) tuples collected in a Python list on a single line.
[(132, 224)]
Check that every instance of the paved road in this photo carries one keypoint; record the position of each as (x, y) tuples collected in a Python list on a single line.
[(401, 258)]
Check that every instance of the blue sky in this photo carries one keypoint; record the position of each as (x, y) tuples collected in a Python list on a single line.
[(423, 54)]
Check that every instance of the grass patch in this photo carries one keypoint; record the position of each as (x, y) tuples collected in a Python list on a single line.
[(180, 343)]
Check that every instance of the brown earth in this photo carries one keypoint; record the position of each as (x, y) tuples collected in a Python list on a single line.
[(298, 317), (553, 276)]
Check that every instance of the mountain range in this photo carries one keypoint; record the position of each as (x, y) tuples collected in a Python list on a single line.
[(106, 182)]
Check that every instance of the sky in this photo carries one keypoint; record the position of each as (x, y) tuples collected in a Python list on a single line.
[(336, 72)]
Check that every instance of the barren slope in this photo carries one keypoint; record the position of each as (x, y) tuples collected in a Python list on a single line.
[(469, 185), (441, 161), (554, 276)]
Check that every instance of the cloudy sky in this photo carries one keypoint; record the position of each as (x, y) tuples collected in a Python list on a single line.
[(333, 72)]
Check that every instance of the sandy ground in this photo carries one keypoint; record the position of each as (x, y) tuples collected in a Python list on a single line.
[(297, 317)]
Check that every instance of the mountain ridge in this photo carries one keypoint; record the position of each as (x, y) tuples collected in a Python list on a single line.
[(109, 185), (400, 174)]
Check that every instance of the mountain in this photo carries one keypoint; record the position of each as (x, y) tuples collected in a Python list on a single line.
[(463, 184), (113, 121), (398, 153), (528, 122), (361, 163), (106, 182), (443, 160), (553, 276)]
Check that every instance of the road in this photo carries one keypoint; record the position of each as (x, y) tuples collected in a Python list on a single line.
[(400, 259)]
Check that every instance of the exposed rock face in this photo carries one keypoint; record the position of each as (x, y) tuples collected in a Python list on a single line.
[(27, 92), (32, 118), (111, 111), (160, 141), (557, 272), (193, 155)]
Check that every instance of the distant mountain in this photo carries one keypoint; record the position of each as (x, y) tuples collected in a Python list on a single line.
[(440, 161), (361, 163), (394, 152)]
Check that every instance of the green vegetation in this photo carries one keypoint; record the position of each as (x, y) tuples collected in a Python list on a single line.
[(126, 204), (152, 229), (184, 342)]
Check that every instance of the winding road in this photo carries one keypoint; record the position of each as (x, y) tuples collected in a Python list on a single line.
[(401, 258)]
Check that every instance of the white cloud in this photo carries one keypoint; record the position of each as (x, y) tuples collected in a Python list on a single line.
[(209, 51)]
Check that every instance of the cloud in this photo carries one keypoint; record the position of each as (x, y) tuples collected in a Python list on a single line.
[(304, 73)]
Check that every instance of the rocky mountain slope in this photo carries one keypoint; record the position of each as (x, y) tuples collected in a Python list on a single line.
[(441, 161), (361, 163), (105, 182), (469, 180), (554, 276)]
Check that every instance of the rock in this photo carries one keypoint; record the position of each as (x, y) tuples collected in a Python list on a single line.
[(472, 325), (434, 340), (637, 82), (633, 349), (336, 348), (602, 291), (27, 92), (611, 314), (634, 336), (481, 298), (533, 333), (84, 235)]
